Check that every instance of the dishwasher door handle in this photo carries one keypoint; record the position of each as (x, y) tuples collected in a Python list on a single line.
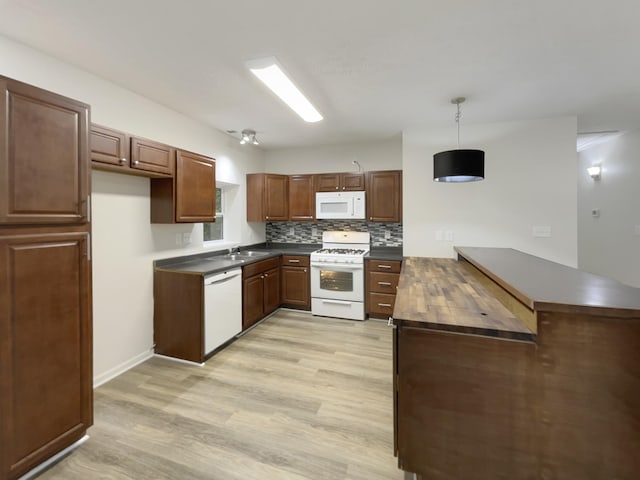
[(221, 278)]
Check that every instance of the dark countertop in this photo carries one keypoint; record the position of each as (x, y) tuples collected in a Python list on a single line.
[(441, 294), (385, 253), (208, 263), (543, 285)]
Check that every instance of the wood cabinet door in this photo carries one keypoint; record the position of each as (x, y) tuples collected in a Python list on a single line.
[(252, 300), (152, 156), (302, 198), (352, 182), (45, 347), (109, 146), (276, 197), (271, 290), (295, 287), (44, 156), (384, 196), (327, 182), (195, 187)]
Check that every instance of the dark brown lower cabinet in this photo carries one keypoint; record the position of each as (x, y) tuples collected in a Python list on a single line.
[(46, 391), (381, 282), (260, 290), (178, 326), (296, 278), (564, 407)]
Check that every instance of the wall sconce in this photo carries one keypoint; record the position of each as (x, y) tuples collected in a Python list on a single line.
[(595, 172)]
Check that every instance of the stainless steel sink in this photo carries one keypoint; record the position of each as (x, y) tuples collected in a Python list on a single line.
[(252, 253), (245, 255)]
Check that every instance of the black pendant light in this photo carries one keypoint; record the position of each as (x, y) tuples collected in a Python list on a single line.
[(460, 165)]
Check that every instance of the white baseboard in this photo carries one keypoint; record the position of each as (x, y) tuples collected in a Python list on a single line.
[(119, 369)]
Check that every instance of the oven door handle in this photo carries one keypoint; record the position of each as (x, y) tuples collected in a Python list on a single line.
[(345, 266)]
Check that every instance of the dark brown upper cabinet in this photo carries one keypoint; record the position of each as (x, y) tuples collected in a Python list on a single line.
[(188, 197), (267, 197), (109, 147), (330, 182), (302, 198), (44, 152), (116, 151), (384, 196), (152, 156)]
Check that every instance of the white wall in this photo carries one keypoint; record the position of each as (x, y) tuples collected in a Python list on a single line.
[(530, 180), (379, 155), (610, 244), (124, 242)]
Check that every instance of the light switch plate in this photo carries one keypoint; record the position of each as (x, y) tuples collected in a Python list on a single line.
[(186, 237), (542, 231)]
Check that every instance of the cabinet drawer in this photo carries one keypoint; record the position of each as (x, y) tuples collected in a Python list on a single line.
[(389, 266), (295, 260), (259, 267), (380, 282), (381, 304)]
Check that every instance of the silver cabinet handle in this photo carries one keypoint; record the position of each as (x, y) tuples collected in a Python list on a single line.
[(386, 284), (384, 305), (294, 261), (384, 266)]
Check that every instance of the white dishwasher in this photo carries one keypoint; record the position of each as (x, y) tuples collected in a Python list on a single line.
[(222, 308)]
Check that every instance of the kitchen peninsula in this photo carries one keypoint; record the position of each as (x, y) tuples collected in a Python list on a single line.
[(510, 366)]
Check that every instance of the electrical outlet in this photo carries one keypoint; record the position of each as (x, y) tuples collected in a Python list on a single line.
[(439, 235), (387, 234), (448, 236), (314, 231), (186, 237), (178, 239), (292, 231)]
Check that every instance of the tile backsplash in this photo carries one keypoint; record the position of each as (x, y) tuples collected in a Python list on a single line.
[(311, 232)]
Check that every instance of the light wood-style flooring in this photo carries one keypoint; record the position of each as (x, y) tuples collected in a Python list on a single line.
[(298, 397)]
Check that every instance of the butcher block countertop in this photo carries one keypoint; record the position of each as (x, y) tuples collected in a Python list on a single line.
[(442, 294), (499, 291)]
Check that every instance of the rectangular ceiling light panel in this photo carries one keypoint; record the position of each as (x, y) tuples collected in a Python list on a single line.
[(272, 75)]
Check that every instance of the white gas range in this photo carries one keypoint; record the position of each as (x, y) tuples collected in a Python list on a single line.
[(337, 275)]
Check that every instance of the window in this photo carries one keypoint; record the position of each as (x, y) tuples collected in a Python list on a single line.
[(215, 231)]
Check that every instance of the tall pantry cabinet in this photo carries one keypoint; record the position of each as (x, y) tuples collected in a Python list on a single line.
[(46, 395)]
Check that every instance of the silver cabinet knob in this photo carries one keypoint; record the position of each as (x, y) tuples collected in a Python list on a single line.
[(123, 160), (337, 188), (135, 162)]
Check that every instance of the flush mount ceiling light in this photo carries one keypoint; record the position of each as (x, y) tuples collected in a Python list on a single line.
[(458, 165), (269, 71), (249, 136)]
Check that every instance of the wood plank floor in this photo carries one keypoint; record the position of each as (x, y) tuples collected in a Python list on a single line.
[(299, 397)]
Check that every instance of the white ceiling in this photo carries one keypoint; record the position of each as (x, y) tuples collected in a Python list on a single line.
[(372, 67)]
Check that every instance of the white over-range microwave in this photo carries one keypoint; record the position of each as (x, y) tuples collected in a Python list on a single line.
[(340, 205)]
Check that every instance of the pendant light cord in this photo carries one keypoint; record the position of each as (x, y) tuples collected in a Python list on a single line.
[(458, 123)]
